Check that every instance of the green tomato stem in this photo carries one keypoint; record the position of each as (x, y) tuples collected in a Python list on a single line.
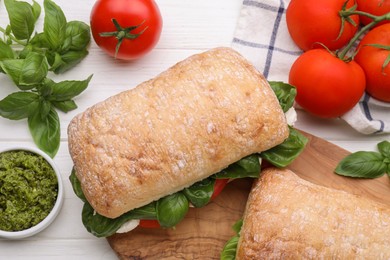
[(376, 19)]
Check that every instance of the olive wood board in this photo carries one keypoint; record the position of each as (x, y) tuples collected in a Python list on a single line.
[(204, 231)]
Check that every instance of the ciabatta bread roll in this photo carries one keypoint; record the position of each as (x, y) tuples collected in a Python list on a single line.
[(287, 217), (188, 123)]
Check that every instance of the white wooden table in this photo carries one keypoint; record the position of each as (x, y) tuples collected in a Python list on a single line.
[(189, 27)]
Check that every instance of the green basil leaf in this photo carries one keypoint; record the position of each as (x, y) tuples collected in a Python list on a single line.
[(229, 251), (199, 193), (172, 209), (13, 68), (148, 211), (286, 152), (54, 26), (39, 41), (44, 108), (19, 105), (78, 36), (66, 90), (384, 148), (246, 167), (6, 51), (76, 185), (65, 106), (45, 131), (285, 93), (22, 18), (237, 226), (36, 9), (34, 69), (68, 60), (362, 164), (101, 226)]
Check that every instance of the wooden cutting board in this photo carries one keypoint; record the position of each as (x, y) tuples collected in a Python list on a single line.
[(204, 231)]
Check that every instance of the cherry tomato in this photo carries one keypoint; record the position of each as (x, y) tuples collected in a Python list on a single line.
[(375, 7), (372, 60), (126, 29), (326, 85), (310, 22)]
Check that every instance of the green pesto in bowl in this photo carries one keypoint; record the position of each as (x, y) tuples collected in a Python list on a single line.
[(28, 189)]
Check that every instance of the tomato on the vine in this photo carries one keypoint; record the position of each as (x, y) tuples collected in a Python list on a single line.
[(374, 7), (315, 22), (375, 61), (327, 86), (126, 29)]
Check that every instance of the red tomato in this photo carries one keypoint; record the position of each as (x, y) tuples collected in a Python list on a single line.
[(375, 7), (372, 60), (144, 15), (218, 187), (326, 85), (149, 223), (310, 22)]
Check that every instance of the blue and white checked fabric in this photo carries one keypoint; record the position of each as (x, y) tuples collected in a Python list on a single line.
[(262, 37)]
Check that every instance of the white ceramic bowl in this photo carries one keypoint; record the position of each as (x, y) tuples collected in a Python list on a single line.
[(55, 210)]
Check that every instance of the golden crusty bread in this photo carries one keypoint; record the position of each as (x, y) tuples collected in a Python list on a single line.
[(186, 124), (287, 217)]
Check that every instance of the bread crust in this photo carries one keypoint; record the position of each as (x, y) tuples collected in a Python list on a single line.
[(186, 124), (287, 217)]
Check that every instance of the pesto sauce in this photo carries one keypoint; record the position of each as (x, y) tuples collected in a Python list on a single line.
[(28, 190)]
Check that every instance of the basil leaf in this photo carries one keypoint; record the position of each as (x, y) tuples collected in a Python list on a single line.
[(246, 167), (362, 164), (66, 90), (384, 149), (39, 40), (19, 105), (285, 93), (65, 106), (45, 131), (54, 26), (76, 185), (230, 249), (171, 209), (146, 212), (44, 108), (36, 10), (13, 68), (68, 60), (101, 226), (34, 69), (199, 193), (284, 153), (78, 36), (22, 18), (6, 51)]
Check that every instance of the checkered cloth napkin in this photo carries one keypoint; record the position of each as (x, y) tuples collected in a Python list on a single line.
[(262, 37)]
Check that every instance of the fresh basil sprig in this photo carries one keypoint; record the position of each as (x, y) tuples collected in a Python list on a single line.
[(366, 164), (27, 58)]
